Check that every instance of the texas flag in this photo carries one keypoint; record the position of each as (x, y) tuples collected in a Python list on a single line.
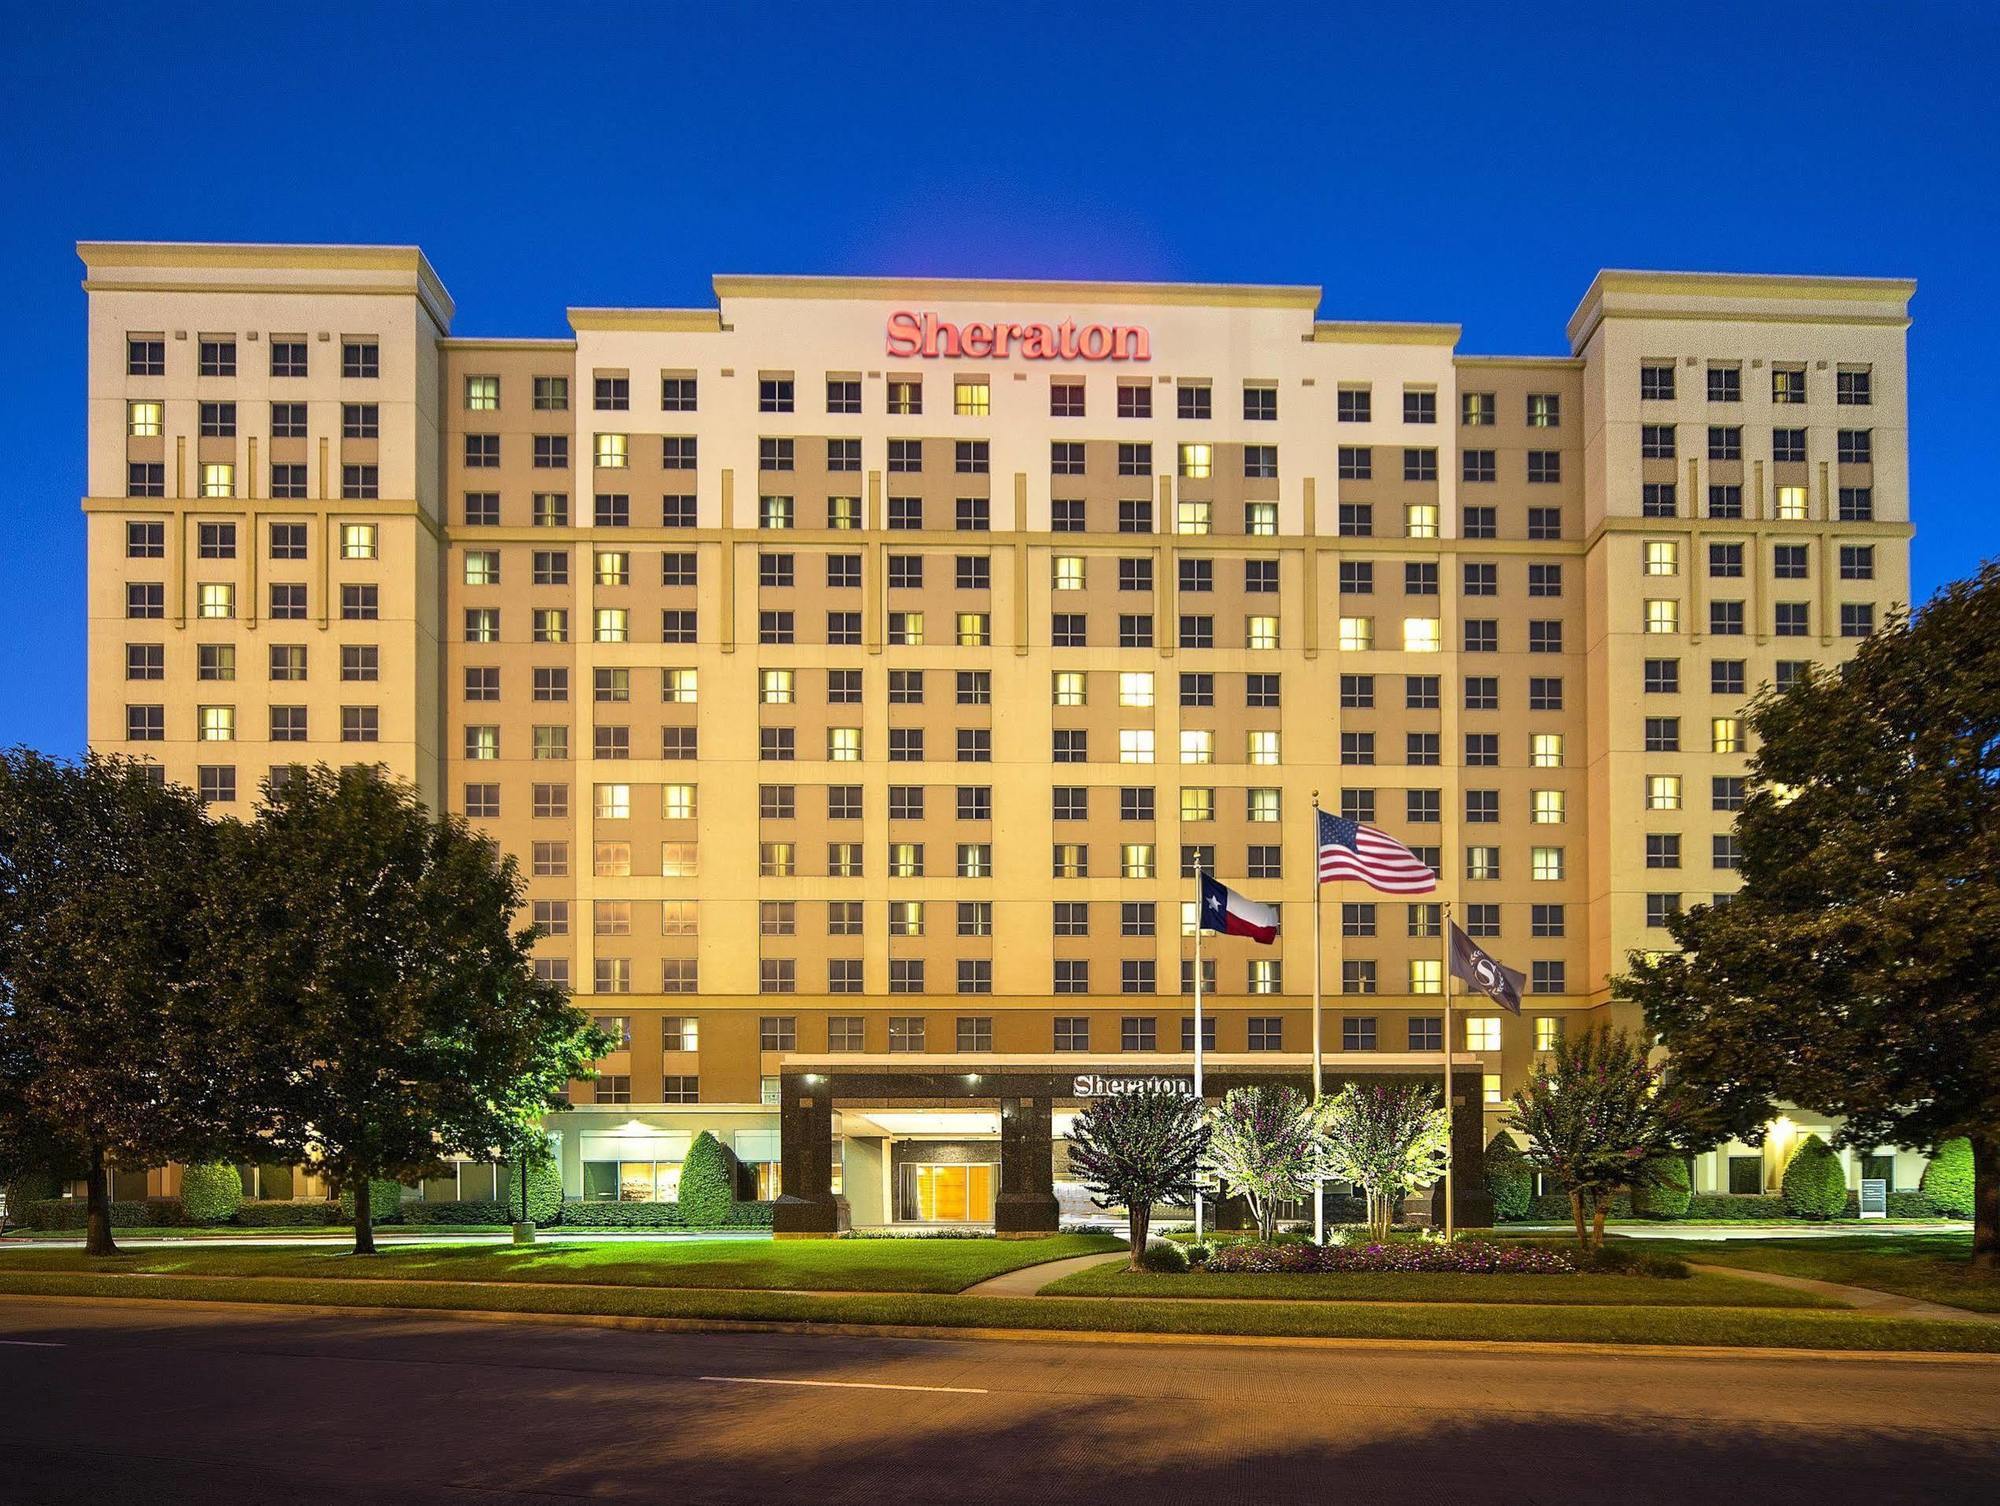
[(1223, 909)]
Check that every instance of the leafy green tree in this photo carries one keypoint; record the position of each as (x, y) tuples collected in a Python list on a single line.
[(1137, 1149), (1509, 1180), (1389, 1139), (1948, 1178), (708, 1183), (1261, 1143), (542, 1202), (211, 1192), (1857, 970), (113, 1050), (1814, 1183), (395, 1001), (1665, 1191), (1598, 1119)]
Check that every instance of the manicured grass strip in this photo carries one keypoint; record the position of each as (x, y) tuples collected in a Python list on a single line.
[(852, 1265), (1394, 1286), (1930, 1266), (1733, 1327)]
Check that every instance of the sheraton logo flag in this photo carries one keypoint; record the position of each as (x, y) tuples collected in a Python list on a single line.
[(1489, 975), (1223, 909)]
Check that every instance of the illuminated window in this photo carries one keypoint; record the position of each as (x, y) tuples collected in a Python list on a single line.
[(1197, 463), (1261, 632), (843, 744), (613, 802), (1546, 864), (906, 860), (1545, 750), (1191, 517), (482, 566), (974, 629), (1358, 633), (1263, 747), (679, 685), (1662, 615), (1135, 860), (218, 480), (1260, 519), (1197, 804), (1135, 688), (1548, 1031), (1197, 746), (1490, 1088), (1068, 572), (1482, 1032), (1791, 503), (1663, 557), (1420, 520), (1663, 792), (1421, 635), (1482, 862), (775, 687), (906, 917), (1547, 807), (1725, 735), (1135, 745), (775, 512), (215, 601), (1262, 804), (614, 860), (677, 860), (611, 452), (145, 420), (1069, 687), (677, 802), (906, 629), (971, 399), (614, 567), (777, 860), (482, 394), (357, 542), (613, 625), (217, 724), (1426, 975)]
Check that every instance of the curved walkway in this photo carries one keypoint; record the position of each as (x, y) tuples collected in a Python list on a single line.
[(1028, 1280), (1861, 1298)]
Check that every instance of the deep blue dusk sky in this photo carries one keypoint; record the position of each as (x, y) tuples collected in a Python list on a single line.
[(1475, 165)]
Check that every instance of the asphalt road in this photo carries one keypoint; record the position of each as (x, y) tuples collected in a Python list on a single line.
[(157, 1403)]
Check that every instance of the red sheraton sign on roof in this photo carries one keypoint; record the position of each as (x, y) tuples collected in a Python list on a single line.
[(926, 335)]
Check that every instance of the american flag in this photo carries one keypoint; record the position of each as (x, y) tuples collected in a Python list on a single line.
[(1349, 850)]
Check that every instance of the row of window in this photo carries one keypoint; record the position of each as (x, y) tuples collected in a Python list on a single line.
[(1855, 504), (146, 356), (1789, 619), (217, 479), (147, 540), (1726, 560), (1725, 442), (1853, 386)]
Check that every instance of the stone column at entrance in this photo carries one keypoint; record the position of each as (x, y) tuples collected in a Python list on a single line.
[(1026, 1204), (808, 1207)]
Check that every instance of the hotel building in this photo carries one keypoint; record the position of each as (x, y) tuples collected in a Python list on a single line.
[(860, 669)]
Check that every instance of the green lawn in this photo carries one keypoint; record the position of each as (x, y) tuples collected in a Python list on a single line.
[(855, 1265), (1793, 1328), (1930, 1266), (1400, 1286)]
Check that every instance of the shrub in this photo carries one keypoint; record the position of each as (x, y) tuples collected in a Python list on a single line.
[(30, 1187), (708, 1181), (1736, 1207), (1165, 1257), (1666, 1193), (1620, 1260), (274, 1213), (1815, 1183), (1948, 1179), (1509, 1181), (1470, 1257), (661, 1216), (545, 1194), (385, 1202), (1200, 1253), (1553, 1208), (475, 1211), (73, 1213), (211, 1194)]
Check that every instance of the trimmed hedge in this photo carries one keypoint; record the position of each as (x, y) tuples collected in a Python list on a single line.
[(385, 1202), (610, 1215), (1815, 1183), (471, 1212), (277, 1213), (1553, 1208), (708, 1181), (545, 1194), (74, 1213), (1509, 1180), (1165, 1257), (1728, 1207), (1948, 1179), (211, 1194), (1669, 1192)]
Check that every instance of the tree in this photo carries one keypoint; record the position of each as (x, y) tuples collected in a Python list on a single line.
[(1137, 1149), (1665, 1191), (1261, 1143), (708, 1183), (1857, 970), (1948, 1179), (113, 1051), (1814, 1183), (211, 1192), (1390, 1139), (1508, 1180), (1597, 1116), (397, 1008)]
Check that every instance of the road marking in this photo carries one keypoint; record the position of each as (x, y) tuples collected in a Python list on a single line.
[(32, 1344), (759, 1380)]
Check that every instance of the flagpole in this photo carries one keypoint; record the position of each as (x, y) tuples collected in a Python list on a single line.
[(1200, 1103), (1444, 935), (1319, 1180)]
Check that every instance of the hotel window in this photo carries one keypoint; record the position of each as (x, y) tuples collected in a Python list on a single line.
[(1426, 975), (1663, 615), (1420, 465), (1656, 382), (1136, 860), (971, 398), (1663, 557), (1656, 441), (1260, 632), (1135, 745), (1657, 500), (1544, 467), (218, 358), (1260, 691), (1788, 384), (145, 356), (1725, 384), (905, 395), (1725, 442), (1857, 619), (357, 420), (1477, 465), (1853, 387), (1263, 748), (1357, 634), (360, 724), (1546, 864), (1788, 445), (1135, 459), (215, 661), (972, 457), (1421, 635), (1545, 750), (1197, 804), (146, 480), (216, 724), (1791, 619), (1482, 1033), (1547, 807), (218, 480), (1663, 792), (1356, 463), (1420, 520), (1482, 862), (1791, 503), (212, 601), (1135, 688), (359, 483), (1197, 745), (1663, 676)]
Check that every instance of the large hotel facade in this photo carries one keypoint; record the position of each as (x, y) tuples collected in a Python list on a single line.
[(861, 669)]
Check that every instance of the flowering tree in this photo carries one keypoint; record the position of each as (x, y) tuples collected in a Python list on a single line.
[(1138, 1149), (1598, 1122), (1387, 1138), (1261, 1143)]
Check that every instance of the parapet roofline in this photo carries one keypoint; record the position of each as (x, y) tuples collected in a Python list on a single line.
[(974, 289), (1770, 297), (122, 265)]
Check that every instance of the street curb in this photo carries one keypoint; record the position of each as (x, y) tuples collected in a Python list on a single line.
[(1041, 1335)]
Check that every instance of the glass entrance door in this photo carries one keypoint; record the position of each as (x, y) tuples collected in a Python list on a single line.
[(947, 1194)]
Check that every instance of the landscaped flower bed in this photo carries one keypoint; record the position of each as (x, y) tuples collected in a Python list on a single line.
[(1464, 1257)]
